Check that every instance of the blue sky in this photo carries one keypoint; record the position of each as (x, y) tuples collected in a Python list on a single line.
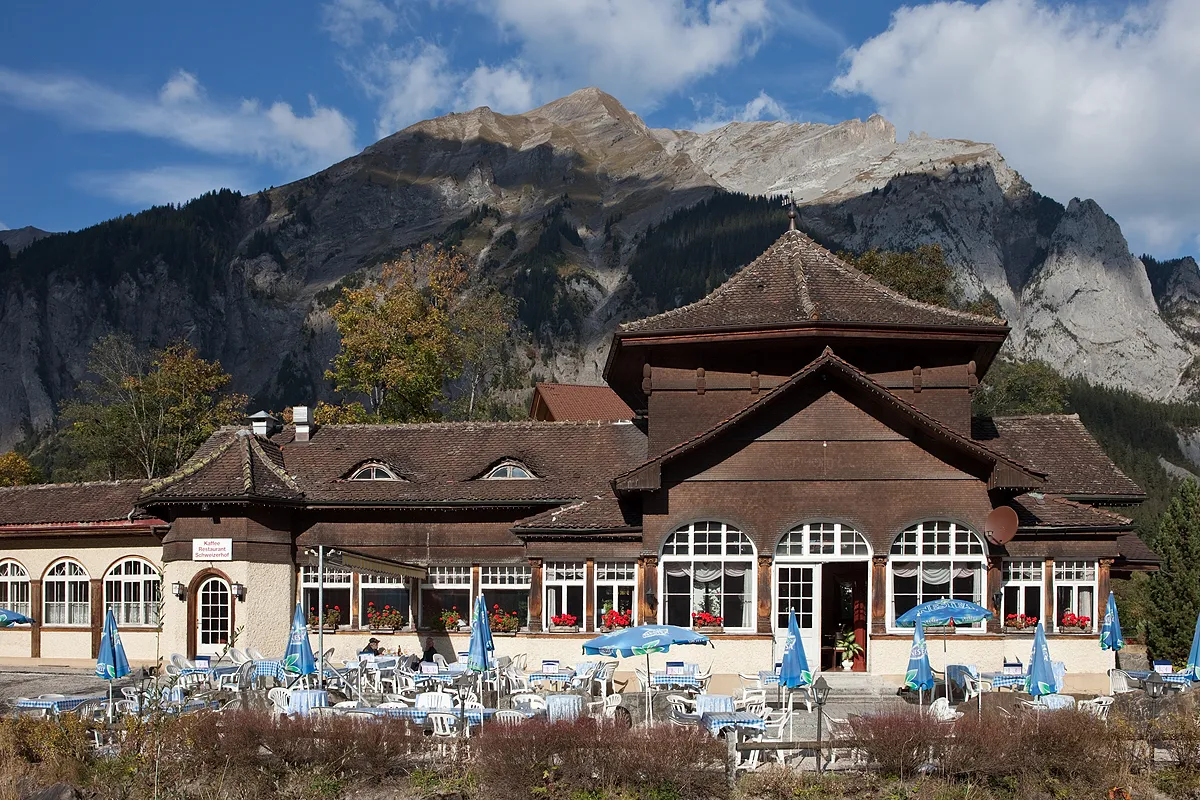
[(107, 108)]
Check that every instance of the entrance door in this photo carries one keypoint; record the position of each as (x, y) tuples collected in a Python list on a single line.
[(213, 619), (800, 589)]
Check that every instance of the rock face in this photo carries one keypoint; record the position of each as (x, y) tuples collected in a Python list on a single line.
[(569, 189), (17, 239)]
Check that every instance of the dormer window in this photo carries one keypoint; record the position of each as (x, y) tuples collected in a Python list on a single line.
[(508, 471), (373, 472)]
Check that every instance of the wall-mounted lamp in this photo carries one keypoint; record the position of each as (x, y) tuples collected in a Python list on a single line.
[(179, 590), (239, 591), (997, 598), (651, 600)]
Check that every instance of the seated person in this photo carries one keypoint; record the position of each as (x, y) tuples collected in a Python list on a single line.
[(372, 648), (430, 650)]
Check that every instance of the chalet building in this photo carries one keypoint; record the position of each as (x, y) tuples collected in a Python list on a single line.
[(800, 439)]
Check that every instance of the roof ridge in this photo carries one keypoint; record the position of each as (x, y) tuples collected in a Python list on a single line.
[(190, 468), (1103, 511), (247, 465), (275, 469), (516, 423), (1072, 415), (75, 484)]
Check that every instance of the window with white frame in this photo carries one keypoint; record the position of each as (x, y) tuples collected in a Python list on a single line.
[(373, 472), (935, 560), (827, 539), (616, 589), (1022, 583), (506, 587), (336, 610), (67, 593), (564, 592), (708, 567), (383, 595), (1074, 595), (14, 588), (509, 471), (446, 589), (133, 590)]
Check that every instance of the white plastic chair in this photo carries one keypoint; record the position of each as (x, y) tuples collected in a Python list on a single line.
[(1118, 682), (528, 702), (280, 699), (603, 678), (941, 711), (255, 655), (777, 722), (1097, 707), (509, 717), (435, 700), (237, 656), (606, 708), (440, 660)]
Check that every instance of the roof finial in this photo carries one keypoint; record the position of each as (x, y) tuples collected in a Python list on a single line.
[(791, 204)]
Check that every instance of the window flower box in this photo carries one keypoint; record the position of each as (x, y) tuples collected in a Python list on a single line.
[(1020, 623), (615, 620), (564, 623), (448, 620), (502, 622), (706, 623), (327, 622), (385, 620), (1073, 623)]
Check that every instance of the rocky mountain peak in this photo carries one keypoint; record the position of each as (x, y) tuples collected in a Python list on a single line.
[(17, 239)]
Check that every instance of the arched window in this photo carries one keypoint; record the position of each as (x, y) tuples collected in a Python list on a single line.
[(68, 595), (708, 567), (14, 588), (933, 560), (373, 472), (509, 470), (133, 590), (825, 539)]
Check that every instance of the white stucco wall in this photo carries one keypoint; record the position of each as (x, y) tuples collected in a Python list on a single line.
[(15, 642), (62, 644), (263, 617)]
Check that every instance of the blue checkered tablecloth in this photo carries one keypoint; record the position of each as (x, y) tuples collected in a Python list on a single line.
[(475, 716), (552, 677), (272, 669), (768, 677), (57, 704), (1007, 681), (1180, 678), (444, 676), (717, 721), (661, 678)]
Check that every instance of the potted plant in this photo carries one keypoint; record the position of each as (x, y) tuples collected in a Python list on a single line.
[(327, 621), (565, 623), (389, 620), (707, 622), (448, 620), (1020, 622), (614, 619), (847, 642), (502, 622), (1074, 623)]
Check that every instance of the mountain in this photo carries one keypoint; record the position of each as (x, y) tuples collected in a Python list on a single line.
[(574, 208), (17, 239)]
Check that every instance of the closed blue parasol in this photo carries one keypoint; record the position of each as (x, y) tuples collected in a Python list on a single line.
[(1110, 633), (794, 671), (919, 675), (1193, 665), (1040, 680), (13, 618), (479, 657), (298, 658), (111, 664), (642, 640)]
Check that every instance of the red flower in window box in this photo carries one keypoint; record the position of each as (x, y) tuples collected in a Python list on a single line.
[(502, 622), (1020, 622), (703, 619), (1072, 621), (564, 620), (613, 618)]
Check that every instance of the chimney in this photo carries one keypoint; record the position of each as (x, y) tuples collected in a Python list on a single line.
[(263, 424), (303, 422)]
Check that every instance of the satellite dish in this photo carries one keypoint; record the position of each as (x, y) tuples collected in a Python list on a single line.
[(1001, 525)]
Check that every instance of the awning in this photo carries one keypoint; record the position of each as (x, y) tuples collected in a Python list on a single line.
[(367, 565)]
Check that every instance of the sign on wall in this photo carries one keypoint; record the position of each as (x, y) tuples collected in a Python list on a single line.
[(212, 549)]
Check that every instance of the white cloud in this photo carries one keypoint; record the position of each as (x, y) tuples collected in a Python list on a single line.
[(3, 225), (505, 89), (183, 114), (347, 20), (1079, 103), (763, 107), (639, 50), (161, 185)]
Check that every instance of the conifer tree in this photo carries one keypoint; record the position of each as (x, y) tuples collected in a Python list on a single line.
[(1175, 588)]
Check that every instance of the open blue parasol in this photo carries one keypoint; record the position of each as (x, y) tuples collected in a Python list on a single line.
[(1110, 632), (13, 618), (642, 640), (944, 612)]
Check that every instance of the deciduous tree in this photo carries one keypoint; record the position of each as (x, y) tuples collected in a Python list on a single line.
[(15, 470), (146, 412), (1022, 387)]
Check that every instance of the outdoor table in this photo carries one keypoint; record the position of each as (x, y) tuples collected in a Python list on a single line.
[(303, 701), (560, 677), (272, 669), (713, 702), (57, 705), (1177, 678), (717, 721), (564, 707), (768, 677), (661, 677), (475, 716), (1000, 681), (442, 676)]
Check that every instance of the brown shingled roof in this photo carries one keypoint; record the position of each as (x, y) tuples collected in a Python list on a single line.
[(596, 513), (439, 463), (1048, 512), (1060, 446), (569, 402), (70, 503), (796, 282)]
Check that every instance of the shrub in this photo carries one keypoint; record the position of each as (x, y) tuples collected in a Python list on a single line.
[(898, 742)]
